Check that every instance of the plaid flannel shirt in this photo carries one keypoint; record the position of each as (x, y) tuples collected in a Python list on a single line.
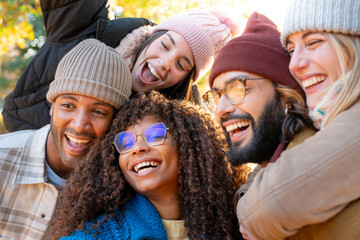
[(26, 201)]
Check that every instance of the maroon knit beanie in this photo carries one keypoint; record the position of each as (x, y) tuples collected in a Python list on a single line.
[(259, 51)]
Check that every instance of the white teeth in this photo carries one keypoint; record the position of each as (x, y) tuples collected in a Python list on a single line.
[(149, 165), (237, 125), (145, 169), (76, 140), (152, 70), (312, 81)]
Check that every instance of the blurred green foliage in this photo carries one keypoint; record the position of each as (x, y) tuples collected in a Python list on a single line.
[(22, 30)]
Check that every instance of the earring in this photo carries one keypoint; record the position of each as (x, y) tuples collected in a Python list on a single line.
[(286, 109)]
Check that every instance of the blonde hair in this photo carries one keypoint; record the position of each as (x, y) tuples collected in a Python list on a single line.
[(347, 48)]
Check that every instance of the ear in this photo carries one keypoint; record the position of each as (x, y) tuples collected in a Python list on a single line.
[(283, 99), (51, 109)]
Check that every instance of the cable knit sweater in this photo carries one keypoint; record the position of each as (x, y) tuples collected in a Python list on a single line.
[(141, 220)]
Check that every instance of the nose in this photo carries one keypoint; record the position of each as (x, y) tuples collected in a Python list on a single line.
[(140, 147), (298, 62), (81, 121), (223, 108), (167, 60)]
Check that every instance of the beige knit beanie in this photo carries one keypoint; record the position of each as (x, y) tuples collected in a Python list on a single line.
[(95, 70), (337, 16)]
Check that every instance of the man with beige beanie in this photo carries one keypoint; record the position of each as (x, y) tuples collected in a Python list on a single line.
[(91, 83)]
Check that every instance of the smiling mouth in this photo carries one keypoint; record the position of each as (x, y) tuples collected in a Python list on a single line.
[(146, 166), (149, 75), (154, 73), (313, 81), (237, 128), (77, 144)]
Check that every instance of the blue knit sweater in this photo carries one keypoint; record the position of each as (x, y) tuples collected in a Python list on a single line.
[(141, 221)]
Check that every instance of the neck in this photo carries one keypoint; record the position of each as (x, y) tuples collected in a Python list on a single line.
[(168, 208)]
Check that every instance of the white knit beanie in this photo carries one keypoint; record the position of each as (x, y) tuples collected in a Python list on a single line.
[(337, 16), (95, 70)]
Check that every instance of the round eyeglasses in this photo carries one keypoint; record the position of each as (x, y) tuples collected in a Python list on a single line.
[(234, 93), (153, 135)]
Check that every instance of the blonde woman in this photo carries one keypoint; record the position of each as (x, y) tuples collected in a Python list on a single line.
[(318, 179)]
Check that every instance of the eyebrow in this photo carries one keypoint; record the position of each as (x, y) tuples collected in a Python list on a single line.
[(240, 76), (174, 43), (171, 39), (302, 36), (77, 100)]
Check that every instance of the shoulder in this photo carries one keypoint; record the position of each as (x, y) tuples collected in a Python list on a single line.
[(15, 139), (301, 137), (344, 225)]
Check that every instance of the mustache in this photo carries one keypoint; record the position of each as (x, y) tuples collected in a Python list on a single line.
[(79, 134), (237, 116)]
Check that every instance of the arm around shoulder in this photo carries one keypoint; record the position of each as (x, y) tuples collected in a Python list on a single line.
[(308, 184)]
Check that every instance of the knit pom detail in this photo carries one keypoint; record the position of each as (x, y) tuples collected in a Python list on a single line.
[(130, 44), (234, 26)]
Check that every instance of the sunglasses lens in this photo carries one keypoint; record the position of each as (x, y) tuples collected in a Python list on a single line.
[(155, 134), (124, 141)]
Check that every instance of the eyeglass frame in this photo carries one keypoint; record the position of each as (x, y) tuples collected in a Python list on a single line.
[(224, 90), (136, 135)]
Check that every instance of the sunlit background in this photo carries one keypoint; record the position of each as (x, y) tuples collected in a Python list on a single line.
[(22, 32)]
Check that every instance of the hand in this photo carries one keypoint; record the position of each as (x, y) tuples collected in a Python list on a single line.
[(246, 234)]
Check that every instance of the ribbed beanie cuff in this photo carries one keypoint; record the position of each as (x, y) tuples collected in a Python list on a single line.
[(337, 16), (95, 70), (258, 51)]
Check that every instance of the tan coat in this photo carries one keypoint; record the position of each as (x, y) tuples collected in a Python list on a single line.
[(308, 184), (343, 226)]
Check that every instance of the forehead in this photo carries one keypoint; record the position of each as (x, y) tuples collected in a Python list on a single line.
[(82, 99), (180, 43), (223, 78), (143, 123)]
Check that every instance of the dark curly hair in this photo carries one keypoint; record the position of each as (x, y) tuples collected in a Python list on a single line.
[(206, 185)]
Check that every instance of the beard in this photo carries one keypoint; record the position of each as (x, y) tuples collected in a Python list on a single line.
[(266, 136), (68, 161)]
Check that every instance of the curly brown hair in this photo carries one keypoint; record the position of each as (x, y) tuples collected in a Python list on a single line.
[(206, 185)]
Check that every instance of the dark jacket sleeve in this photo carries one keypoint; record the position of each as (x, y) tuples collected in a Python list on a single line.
[(66, 23), (112, 32)]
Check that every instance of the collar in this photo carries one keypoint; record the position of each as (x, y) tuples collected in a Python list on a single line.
[(278, 151), (31, 169), (143, 219)]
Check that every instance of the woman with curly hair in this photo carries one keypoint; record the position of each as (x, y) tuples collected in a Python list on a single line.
[(160, 173)]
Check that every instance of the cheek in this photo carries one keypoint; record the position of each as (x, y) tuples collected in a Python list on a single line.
[(103, 128), (122, 164), (335, 69), (252, 107)]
